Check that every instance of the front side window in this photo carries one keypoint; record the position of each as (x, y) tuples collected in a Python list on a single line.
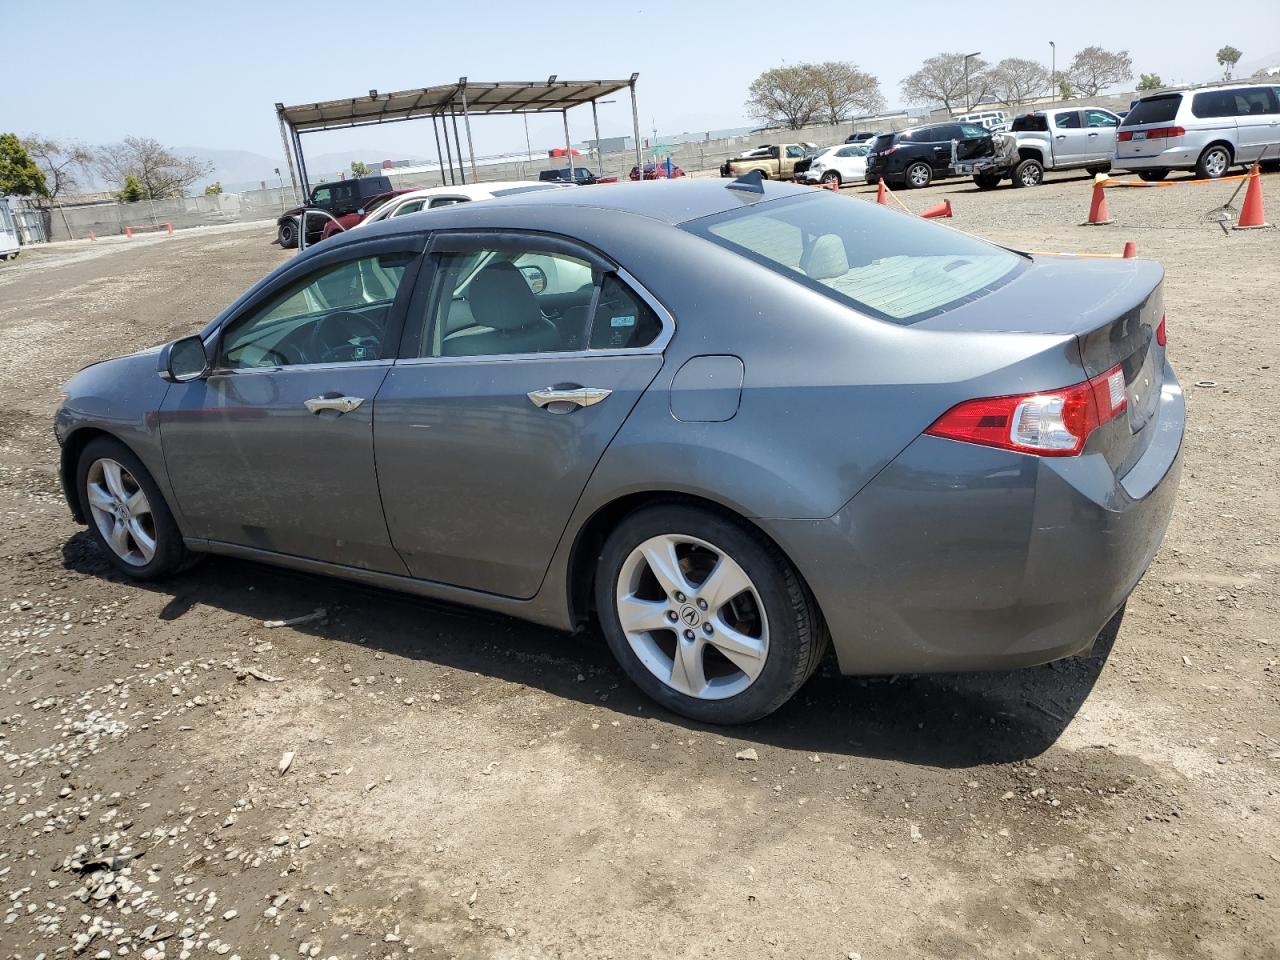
[(321, 195), (413, 206), (969, 131), (338, 314), (489, 303), (896, 268), (1098, 118), (1254, 102), (795, 153)]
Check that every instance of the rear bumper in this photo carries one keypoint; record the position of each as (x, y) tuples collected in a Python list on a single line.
[(962, 557), (1175, 158)]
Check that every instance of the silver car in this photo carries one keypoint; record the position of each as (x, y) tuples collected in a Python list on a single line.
[(1207, 130), (731, 424)]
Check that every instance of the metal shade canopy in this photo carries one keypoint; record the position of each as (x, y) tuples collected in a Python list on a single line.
[(445, 103)]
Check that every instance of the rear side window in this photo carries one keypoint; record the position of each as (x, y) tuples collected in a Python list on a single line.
[(897, 268), (1153, 110), (622, 320), (1031, 123), (1068, 120)]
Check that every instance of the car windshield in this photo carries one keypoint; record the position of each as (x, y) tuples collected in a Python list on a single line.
[(882, 262)]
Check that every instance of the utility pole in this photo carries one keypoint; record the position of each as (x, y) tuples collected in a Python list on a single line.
[(967, 57), (1053, 70)]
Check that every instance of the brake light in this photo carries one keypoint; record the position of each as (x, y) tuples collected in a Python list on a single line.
[(1155, 133), (1161, 335), (888, 150), (1054, 423)]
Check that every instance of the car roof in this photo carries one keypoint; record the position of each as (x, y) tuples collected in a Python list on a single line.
[(668, 201), (472, 190)]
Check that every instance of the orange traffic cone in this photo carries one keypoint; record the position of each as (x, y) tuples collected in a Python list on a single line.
[(832, 185), (128, 231), (1130, 250), (170, 228), (1098, 214), (91, 236), (1251, 215), (941, 210), (882, 194)]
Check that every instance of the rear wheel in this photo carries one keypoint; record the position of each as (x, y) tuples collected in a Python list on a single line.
[(831, 176), (126, 512), (1152, 176), (1028, 173), (706, 616), (288, 234), (918, 175), (986, 181), (1095, 170), (1213, 162)]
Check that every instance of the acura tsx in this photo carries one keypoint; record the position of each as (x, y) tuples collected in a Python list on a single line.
[(731, 424)]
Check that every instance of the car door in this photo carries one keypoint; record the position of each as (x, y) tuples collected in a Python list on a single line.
[(1070, 138), (1257, 123), (973, 141), (1100, 135), (273, 449), (491, 422)]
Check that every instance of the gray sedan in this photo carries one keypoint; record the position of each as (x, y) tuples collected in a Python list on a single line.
[(731, 424)]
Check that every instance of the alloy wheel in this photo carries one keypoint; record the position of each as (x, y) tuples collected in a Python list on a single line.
[(919, 175), (1215, 162), (692, 616), (121, 512)]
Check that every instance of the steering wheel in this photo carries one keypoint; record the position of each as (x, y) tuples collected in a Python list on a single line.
[(345, 336)]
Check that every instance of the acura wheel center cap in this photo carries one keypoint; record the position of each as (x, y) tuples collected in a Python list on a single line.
[(690, 615)]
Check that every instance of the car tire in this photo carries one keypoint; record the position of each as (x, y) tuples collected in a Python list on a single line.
[(917, 176), (1152, 176), (832, 176), (1028, 173), (986, 181), (1094, 171), (109, 480), (771, 627), (287, 235), (1215, 161)]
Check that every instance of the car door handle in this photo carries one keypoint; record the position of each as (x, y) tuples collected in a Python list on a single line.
[(340, 404), (1061, 136), (1093, 134), (575, 396)]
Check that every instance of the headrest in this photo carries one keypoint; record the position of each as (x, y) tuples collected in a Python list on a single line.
[(500, 298), (826, 258)]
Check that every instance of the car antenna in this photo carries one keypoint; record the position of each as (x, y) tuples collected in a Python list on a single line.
[(752, 182)]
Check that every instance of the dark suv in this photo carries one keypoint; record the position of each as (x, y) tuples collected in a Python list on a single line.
[(581, 176), (338, 198), (915, 158)]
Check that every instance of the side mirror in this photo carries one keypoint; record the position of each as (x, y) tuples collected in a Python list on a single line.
[(183, 360)]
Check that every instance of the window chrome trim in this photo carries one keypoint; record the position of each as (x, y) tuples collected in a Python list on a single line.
[(658, 346), (300, 367)]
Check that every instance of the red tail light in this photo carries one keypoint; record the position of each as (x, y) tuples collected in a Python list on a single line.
[(1155, 133), (1055, 423), (1161, 335)]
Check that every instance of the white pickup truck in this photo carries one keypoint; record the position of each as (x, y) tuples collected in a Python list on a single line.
[(1064, 140)]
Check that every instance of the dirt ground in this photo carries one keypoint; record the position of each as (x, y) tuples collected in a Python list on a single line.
[(468, 786)]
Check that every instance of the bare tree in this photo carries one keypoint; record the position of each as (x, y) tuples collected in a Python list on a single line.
[(843, 89), (160, 172), (1015, 80), (941, 79), (1094, 69), (1228, 57), (65, 163), (785, 96)]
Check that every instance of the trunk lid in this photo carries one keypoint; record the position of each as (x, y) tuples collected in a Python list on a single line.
[(1111, 307)]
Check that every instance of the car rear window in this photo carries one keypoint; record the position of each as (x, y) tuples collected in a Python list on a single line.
[(1153, 110), (530, 188), (1031, 123), (893, 266), (882, 142)]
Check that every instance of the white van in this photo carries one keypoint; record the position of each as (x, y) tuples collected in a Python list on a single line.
[(988, 119), (8, 232)]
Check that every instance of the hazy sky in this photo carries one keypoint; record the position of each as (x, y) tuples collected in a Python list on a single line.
[(207, 74)]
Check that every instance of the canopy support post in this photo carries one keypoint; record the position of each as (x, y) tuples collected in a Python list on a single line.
[(595, 122), (568, 147), (457, 142), (635, 124), (288, 153), (466, 122), (439, 155)]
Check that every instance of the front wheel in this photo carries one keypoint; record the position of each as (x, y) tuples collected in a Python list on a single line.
[(1214, 162), (1152, 176), (831, 176), (706, 616), (1029, 173), (288, 235), (918, 175), (127, 515), (986, 181), (1095, 170)]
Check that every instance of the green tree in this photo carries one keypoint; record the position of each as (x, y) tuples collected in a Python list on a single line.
[(785, 97), (1228, 57), (1065, 90), (1150, 81), (132, 190), (213, 189), (19, 175), (359, 168)]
